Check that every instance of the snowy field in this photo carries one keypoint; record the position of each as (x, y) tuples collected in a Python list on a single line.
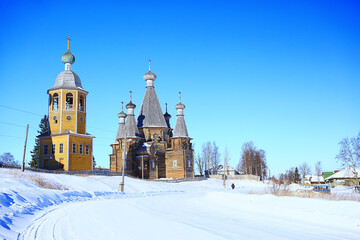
[(91, 208)]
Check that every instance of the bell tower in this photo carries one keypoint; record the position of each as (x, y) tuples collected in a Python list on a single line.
[(67, 108), (67, 145)]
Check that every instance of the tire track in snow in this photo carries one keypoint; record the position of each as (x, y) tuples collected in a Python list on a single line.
[(51, 218)]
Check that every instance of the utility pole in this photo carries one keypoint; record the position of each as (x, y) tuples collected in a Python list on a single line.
[(23, 161), (123, 168)]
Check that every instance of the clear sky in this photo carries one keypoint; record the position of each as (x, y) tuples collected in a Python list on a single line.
[(283, 74)]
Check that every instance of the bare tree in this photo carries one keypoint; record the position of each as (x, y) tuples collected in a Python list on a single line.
[(215, 156), (226, 160), (349, 154), (200, 164), (304, 170), (318, 170), (8, 159), (207, 155), (252, 161)]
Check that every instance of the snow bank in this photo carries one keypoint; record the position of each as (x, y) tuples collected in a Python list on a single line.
[(25, 197)]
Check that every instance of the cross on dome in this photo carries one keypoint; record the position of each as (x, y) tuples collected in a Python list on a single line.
[(68, 42)]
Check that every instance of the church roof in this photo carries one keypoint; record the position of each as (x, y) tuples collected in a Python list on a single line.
[(67, 80), (121, 132), (180, 129), (130, 127), (150, 114)]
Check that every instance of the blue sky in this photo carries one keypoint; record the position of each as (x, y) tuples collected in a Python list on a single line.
[(283, 74)]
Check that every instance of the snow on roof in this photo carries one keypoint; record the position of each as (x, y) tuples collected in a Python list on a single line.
[(345, 173)]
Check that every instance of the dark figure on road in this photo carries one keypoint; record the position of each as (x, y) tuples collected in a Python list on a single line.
[(233, 186)]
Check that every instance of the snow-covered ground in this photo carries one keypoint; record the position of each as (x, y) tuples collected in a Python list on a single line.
[(92, 208)]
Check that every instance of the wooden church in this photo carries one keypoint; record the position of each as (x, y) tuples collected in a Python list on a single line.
[(149, 148), (66, 146)]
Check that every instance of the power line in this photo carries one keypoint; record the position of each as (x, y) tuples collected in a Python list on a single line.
[(20, 110), (14, 137), (12, 124)]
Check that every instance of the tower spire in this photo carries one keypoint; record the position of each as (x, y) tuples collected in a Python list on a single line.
[(179, 96), (122, 106), (149, 65), (130, 96), (166, 106)]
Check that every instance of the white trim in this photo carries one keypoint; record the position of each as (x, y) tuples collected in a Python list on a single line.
[(77, 110), (39, 153), (92, 156), (68, 153), (61, 109)]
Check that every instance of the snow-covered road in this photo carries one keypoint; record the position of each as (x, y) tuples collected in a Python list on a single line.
[(201, 215)]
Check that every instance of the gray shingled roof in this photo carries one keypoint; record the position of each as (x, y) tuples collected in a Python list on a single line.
[(130, 127), (150, 114), (180, 129), (67, 80), (121, 130)]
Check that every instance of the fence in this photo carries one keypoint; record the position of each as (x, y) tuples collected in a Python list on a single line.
[(101, 173), (237, 177)]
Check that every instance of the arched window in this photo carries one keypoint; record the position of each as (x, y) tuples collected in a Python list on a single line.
[(55, 101), (81, 103), (69, 101)]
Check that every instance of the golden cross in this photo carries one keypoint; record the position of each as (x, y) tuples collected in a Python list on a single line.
[(68, 42)]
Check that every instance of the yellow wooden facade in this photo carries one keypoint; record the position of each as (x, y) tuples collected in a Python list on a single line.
[(66, 146)]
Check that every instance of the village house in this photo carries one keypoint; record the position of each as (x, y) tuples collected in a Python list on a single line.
[(345, 177)]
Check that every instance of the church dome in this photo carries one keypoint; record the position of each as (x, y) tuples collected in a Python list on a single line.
[(149, 76), (167, 116), (67, 80), (179, 106), (130, 105), (68, 57), (122, 115)]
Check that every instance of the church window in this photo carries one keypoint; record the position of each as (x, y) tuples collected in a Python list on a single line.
[(52, 148), (81, 103), (153, 164), (174, 164), (189, 163), (87, 149), (61, 148), (74, 147), (55, 101), (69, 101), (80, 148), (45, 149)]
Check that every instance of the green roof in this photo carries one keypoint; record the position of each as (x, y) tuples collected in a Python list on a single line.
[(327, 174)]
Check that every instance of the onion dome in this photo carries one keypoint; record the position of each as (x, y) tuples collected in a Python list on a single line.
[(68, 57), (122, 115), (179, 106), (149, 75), (130, 105), (167, 116)]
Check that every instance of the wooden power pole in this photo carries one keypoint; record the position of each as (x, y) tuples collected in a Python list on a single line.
[(23, 161)]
